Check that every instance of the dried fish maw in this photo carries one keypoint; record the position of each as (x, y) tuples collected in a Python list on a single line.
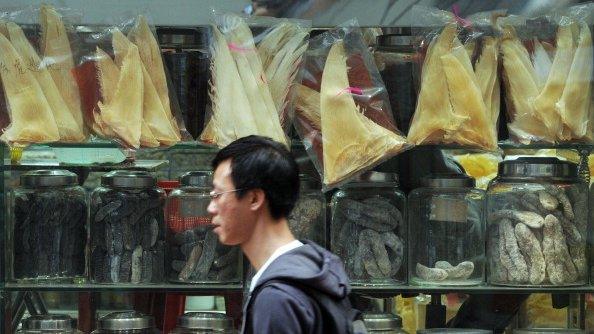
[(55, 48), (434, 113), (254, 79), (542, 63), (544, 104), (231, 118), (307, 104), (575, 101), (67, 126), (351, 142), (150, 53), (467, 101), (123, 114), (31, 116), (521, 90), (486, 76), (154, 114)]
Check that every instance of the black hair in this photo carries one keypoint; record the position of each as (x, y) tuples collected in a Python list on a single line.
[(261, 163)]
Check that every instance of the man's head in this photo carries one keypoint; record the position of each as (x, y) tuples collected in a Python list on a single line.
[(254, 176)]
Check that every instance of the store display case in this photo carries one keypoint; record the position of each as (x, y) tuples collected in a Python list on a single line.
[(154, 250)]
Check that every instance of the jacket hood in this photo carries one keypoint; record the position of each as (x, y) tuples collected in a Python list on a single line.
[(312, 266)]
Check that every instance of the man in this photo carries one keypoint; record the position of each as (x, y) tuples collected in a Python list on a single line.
[(256, 185)]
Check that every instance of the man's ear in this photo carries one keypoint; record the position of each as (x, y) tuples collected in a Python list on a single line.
[(257, 199)]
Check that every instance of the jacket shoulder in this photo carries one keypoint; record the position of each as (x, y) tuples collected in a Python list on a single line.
[(281, 308)]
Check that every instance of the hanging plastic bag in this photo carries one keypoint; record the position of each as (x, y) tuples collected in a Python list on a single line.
[(31, 88), (125, 88), (255, 65), (458, 103), (343, 113), (547, 71)]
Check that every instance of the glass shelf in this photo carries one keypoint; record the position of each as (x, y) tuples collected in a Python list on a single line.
[(125, 287), (296, 143), (147, 165), (375, 290), (481, 289)]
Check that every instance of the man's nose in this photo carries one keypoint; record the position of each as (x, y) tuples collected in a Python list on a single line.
[(211, 209)]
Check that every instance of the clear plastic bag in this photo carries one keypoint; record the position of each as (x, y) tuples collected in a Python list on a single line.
[(125, 87), (343, 112), (547, 73), (256, 62), (40, 92), (458, 103)]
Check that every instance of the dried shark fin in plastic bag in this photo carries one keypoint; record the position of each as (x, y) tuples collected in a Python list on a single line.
[(109, 74), (467, 102), (542, 63), (67, 126), (544, 103), (434, 114), (123, 114), (351, 142), (150, 53), (231, 118), (281, 62), (307, 103), (253, 78), (522, 88), (155, 116), (574, 105), (56, 50), (487, 77), (31, 116)]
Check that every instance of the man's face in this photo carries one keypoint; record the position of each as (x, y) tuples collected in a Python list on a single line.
[(232, 217)]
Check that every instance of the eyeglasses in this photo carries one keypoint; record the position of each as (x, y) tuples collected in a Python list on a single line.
[(216, 195)]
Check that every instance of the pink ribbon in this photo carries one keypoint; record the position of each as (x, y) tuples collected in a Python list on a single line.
[(352, 90), (463, 22), (237, 48)]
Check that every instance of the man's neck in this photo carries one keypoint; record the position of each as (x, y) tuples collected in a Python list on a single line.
[(266, 238)]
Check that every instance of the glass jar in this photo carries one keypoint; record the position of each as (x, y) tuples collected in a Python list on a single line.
[(537, 214), (195, 253), (368, 230), (127, 322), (447, 232), (127, 229), (385, 323), (48, 228), (49, 323), (204, 323), (394, 56), (308, 218)]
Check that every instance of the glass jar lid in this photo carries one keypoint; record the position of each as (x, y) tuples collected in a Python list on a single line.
[(196, 179), (127, 320), (128, 179), (447, 181), (529, 167), (49, 322), (49, 178), (373, 176), (381, 321), (205, 320)]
